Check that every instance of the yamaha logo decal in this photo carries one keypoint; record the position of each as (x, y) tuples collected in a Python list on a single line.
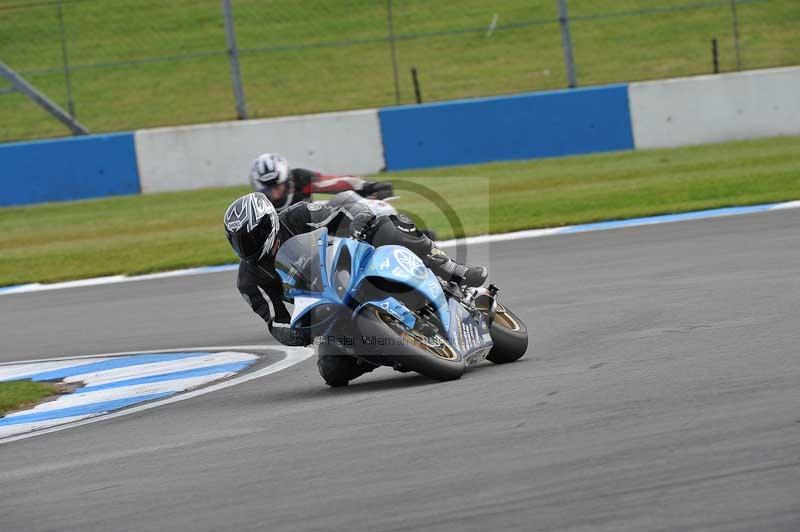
[(410, 263)]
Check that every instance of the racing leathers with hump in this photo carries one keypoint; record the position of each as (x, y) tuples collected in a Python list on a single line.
[(255, 231), (284, 186)]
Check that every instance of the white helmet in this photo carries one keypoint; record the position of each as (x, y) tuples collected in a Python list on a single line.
[(268, 170)]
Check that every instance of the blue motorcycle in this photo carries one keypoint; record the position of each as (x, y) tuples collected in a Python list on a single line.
[(383, 307)]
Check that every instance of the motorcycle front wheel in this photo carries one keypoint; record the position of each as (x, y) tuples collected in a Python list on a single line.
[(407, 350)]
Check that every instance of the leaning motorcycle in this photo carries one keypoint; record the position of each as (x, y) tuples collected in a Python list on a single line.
[(385, 308)]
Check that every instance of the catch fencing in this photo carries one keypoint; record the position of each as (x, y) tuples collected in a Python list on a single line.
[(131, 64)]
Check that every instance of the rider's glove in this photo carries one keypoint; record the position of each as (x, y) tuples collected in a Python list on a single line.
[(361, 224), (377, 189), (283, 333)]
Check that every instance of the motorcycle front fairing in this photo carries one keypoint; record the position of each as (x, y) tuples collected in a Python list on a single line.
[(321, 274), (306, 283), (400, 265)]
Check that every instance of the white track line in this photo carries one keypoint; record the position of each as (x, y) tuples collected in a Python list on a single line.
[(473, 240), (26, 428)]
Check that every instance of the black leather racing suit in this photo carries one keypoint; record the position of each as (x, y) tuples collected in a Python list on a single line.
[(306, 217)]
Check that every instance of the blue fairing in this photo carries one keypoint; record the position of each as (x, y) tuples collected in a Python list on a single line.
[(346, 263), (400, 265), (305, 301)]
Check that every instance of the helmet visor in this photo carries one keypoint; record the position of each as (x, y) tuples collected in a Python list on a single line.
[(252, 245)]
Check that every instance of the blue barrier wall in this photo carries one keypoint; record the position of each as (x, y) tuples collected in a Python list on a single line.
[(68, 169), (544, 124)]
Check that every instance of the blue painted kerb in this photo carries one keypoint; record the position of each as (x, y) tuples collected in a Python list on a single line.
[(68, 169), (526, 126)]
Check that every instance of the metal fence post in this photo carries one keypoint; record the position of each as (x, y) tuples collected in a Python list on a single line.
[(736, 35), (393, 46), (715, 55), (415, 81), (233, 56), (65, 60), (39, 98), (566, 41)]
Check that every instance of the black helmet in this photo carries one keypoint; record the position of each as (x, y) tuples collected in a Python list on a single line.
[(251, 225)]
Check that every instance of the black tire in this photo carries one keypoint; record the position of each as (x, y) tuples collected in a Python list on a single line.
[(434, 358), (335, 367), (510, 337)]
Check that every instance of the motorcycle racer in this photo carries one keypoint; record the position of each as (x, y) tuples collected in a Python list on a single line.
[(284, 186), (255, 231)]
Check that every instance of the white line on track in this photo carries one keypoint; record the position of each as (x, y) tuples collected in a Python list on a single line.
[(294, 355), (473, 240)]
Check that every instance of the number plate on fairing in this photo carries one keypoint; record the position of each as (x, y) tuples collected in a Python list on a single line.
[(469, 334)]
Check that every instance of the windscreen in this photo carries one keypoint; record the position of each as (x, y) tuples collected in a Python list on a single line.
[(298, 259)]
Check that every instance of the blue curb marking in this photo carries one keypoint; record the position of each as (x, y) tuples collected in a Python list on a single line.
[(117, 362), (196, 372), (667, 218), (106, 390), (92, 408)]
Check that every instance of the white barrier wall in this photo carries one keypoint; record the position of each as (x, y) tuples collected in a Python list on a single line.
[(707, 109), (215, 155)]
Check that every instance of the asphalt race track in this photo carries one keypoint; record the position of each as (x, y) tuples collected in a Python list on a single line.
[(661, 392)]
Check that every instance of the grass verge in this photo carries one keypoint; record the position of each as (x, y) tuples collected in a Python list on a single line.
[(332, 55), (141, 234), (15, 395)]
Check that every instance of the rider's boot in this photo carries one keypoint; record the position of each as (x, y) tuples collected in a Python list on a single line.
[(449, 270)]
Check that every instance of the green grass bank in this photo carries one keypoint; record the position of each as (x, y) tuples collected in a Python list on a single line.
[(146, 63), (15, 395)]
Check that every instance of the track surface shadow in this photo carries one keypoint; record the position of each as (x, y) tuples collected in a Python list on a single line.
[(386, 380), (319, 390)]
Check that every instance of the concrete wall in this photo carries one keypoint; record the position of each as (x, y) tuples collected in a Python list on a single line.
[(216, 155), (68, 169), (706, 109), (542, 124)]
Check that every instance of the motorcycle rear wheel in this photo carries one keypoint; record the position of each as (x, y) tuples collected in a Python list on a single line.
[(409, 350), (510, 337)]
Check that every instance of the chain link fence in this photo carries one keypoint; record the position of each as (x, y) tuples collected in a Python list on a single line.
[(142, 63)]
